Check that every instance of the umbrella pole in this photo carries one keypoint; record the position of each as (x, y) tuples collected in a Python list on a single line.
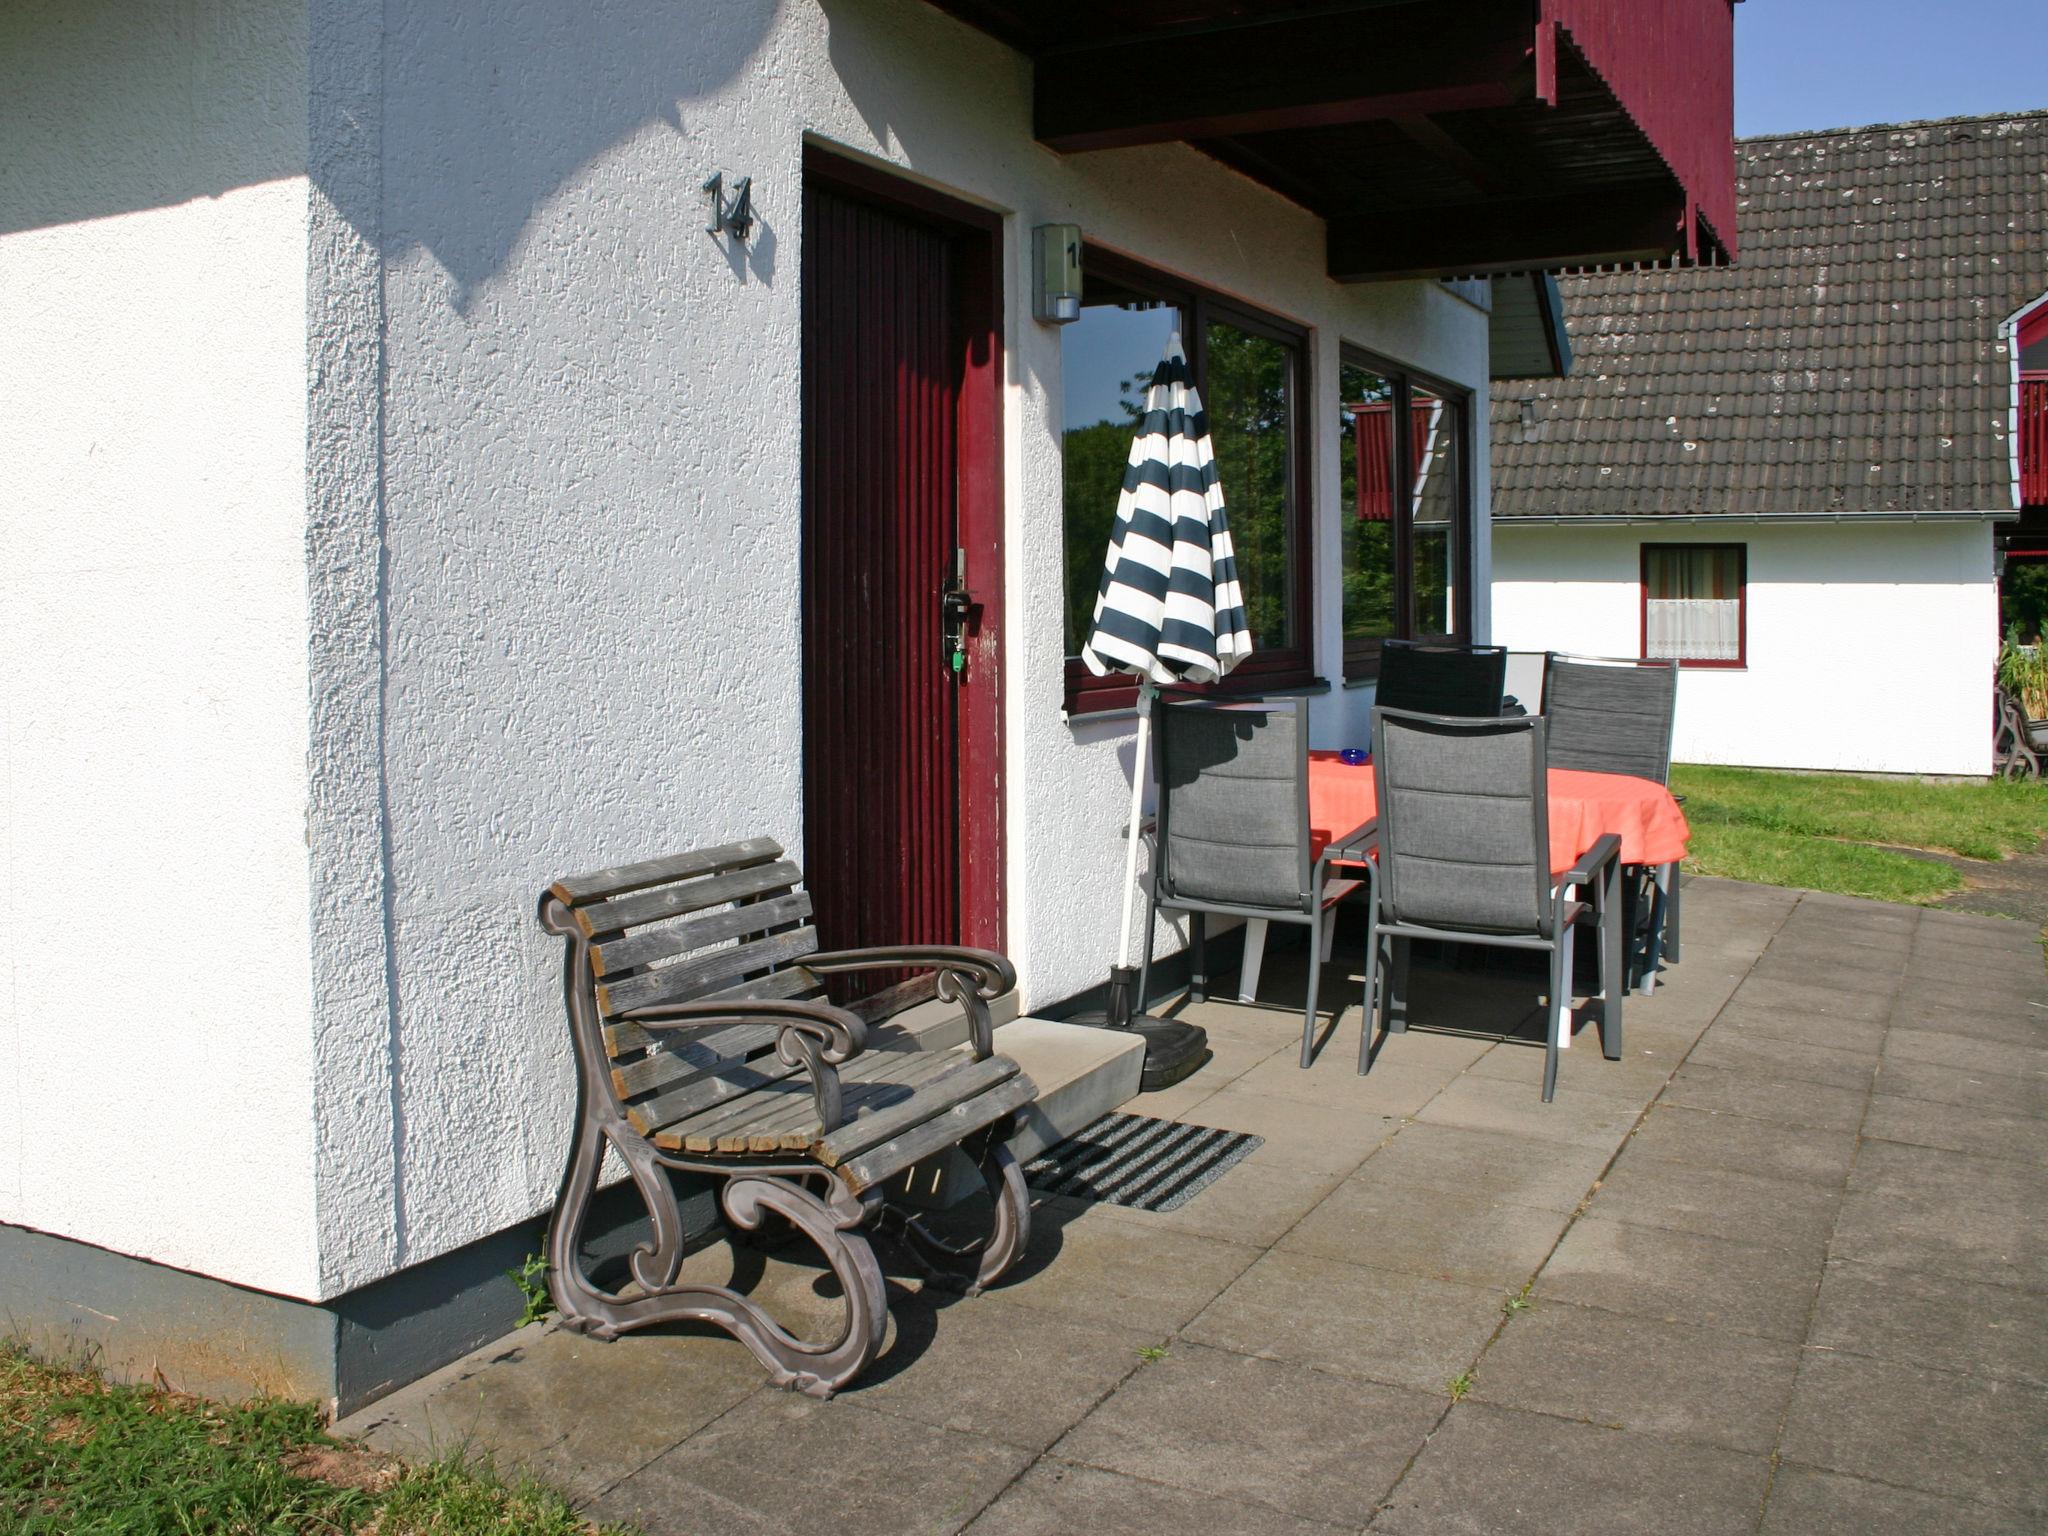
[(1140, 765)]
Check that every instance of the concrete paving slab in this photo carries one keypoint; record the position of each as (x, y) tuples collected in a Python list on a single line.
[(1494, 1471), (1299, 1134), (1990, 1331), (1807, 970), (1864, 1036), (1491, 1104), (1791, 1215), (1253, 1205), (1262, 1431), (1726, 1389), (1086, 1266), (1981, 1132), (1808, 1502), (1682, 1277), (1393, 1088), (1519, 1170), (1004, 1372), (1802, 995), (1784, 1100), (1989, 991), (1697, 1138), (1479, 1241), (1636, 1078), (1406, 1330), (1732, 1050), (1059, 1498), (576, 1411), (1962, 1436), (2023, 1024), (1945, 1212), (1989, 1058), (783, 1462)]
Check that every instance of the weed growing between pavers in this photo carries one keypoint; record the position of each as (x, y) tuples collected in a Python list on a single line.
[(82, 1457)]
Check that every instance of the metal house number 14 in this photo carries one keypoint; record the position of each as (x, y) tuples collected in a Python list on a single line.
[(733, 214)]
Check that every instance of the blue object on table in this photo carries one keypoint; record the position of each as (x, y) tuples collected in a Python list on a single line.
[(1357, 757)]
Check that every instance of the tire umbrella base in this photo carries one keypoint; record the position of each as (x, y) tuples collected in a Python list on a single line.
[(1174, 1049)]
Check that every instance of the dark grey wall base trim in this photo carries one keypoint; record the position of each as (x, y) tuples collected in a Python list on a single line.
[(1169, 976), (135, 1318)]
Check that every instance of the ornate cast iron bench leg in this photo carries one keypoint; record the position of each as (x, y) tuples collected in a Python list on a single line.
[(975, 1266)]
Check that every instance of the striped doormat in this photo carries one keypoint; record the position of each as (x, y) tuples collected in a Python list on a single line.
[(1134, 1160)]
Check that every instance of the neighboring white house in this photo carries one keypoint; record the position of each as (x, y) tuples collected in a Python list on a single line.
[(409, 500), (1787, 472)]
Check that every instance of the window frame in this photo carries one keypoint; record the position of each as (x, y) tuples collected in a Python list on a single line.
[(1267, 669), (1741, 661), (1362, 657)]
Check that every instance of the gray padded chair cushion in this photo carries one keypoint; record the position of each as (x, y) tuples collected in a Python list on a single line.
[(1441, 679), (1462, 835), (1233, 812), (1610, 717)]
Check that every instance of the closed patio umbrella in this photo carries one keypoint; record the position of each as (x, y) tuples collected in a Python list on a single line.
[(1168, 610)]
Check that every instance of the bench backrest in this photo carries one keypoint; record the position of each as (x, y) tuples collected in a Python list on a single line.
[(716, 923)]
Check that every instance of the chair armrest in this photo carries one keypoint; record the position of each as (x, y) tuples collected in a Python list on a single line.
[(815, 1036), (969, 977), (1593, 860)]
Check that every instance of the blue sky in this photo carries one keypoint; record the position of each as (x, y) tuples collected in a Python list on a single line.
[(1841, 63)]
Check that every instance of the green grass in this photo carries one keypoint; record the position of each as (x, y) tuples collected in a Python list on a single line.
[(82, 1457), (1815, 830)]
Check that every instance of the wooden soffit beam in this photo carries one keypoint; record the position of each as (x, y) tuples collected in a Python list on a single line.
[(1469, 240), (1386, 61)]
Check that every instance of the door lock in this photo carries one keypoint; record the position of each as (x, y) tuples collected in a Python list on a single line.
[(957, 613)]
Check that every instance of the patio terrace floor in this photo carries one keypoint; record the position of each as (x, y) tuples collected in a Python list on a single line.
[(1785, 1262)]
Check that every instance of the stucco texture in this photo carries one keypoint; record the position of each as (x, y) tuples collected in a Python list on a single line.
[(1870, 645), (156, 1084)]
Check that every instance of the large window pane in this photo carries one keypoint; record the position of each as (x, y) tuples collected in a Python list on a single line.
[(1692, 601), (1366, 465), (1250, 401), (1107, 358), (1436, 499)]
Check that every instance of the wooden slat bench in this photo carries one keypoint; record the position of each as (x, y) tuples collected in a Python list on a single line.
[(705, 1041)]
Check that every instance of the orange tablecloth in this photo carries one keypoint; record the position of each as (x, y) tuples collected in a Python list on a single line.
[(1582, 807)]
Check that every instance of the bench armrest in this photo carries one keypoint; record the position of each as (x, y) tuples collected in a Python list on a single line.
[(1592, 861), (969, 977), (815, 1036)]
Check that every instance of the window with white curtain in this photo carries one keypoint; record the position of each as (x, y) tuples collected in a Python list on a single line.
[(1692, 603)]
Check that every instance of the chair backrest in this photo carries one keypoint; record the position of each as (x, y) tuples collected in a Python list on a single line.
[(1464, 822), (1424, 677), (1233, 804), (1611, 716)]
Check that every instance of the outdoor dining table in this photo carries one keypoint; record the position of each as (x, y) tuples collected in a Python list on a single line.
[(1583, 805)]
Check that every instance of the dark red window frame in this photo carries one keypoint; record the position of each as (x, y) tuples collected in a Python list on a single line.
[(1362, 656), (1267, 669), (1741, 611)]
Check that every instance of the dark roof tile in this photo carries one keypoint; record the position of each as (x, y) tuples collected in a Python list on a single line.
[(1859, 329)]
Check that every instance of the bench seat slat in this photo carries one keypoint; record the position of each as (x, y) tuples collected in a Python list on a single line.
[(651, 944), (689, 1057), (688, 980), (930, 1137), (693, 896), (782, 1116), (621, 878), (961, 1081)]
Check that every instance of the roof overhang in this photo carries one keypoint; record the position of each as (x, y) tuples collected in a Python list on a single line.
[(1525, 334), (1436, 138), (1688, 519)]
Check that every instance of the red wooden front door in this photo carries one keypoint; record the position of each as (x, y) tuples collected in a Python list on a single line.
[(902, 792)]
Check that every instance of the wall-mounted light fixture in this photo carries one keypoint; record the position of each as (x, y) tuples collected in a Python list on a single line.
[(1056, 273), (731, 215)]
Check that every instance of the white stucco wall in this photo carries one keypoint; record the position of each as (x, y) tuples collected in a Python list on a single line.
[(587, 640), (155, 1065), (1870, 645)]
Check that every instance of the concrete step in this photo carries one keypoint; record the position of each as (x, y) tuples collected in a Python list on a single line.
[(1081, 1075)]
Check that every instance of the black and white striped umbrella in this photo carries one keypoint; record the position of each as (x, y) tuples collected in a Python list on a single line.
[(1169, 608)]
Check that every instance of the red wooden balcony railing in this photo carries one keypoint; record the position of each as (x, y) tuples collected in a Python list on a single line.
[(2034, 440)]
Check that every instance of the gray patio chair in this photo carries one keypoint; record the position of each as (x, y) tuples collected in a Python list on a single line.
[(1436, 678), (1232, 834), (1614, 715), (1464, 856)]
